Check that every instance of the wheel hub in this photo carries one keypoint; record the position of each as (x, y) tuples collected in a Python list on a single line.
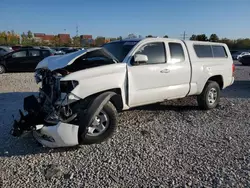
[(99, 125), (1, 69), (212, 96)]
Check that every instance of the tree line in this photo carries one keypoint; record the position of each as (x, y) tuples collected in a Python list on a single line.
[(241, 43), (27, 39)]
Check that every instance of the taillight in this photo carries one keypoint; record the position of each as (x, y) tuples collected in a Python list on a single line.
[(233, 69)]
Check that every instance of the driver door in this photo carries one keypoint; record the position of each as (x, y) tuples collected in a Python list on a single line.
[(148, 80)]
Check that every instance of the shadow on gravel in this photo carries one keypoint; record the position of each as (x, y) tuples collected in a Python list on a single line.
[(239, 89), (164, 107), (17, 146)]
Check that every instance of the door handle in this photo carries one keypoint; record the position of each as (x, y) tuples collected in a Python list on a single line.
[(165, 71)]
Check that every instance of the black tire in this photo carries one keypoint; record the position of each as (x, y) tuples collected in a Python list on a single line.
[(111, 112), (2, 69), (203, 98)]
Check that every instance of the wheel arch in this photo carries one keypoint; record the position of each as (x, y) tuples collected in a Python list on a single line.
[(4, 66), (115, 99), (218, 79)]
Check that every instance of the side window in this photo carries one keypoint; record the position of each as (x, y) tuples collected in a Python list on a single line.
[(33, 53), (155, 51), (45, 53), (203, 51), (19, 54), (176, 52), (219, 51)]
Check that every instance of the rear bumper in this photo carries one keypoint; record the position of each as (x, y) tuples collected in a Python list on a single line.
[(232, 81)]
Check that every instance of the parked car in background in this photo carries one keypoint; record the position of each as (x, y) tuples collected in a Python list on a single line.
[(30, 47), (55, 52), (17, 47), (68, 50), (235, 54), (245, 60), (71, 50), (5, 50), (242, 54), (64, 49), (22, 60)]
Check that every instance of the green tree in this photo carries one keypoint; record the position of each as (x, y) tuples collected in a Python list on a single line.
[(165, 36), (149, 36), (132, 36), (213, 38), (99, 41), (29, 34), (24, 38), (76, 41), (3, 38), (113, 39), (55, 41), (230, 43), (201, 37), (193, 37)]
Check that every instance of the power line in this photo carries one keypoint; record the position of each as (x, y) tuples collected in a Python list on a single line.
[(184, 35), (77, 30)]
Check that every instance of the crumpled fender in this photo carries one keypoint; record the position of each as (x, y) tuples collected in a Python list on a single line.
[(93, 110)]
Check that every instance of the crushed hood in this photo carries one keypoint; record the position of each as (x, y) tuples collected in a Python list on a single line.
[(60, 61)]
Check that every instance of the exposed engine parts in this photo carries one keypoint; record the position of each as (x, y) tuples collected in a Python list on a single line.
[(43, 108)]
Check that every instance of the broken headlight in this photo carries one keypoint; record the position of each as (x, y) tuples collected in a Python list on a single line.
[(68, 86)]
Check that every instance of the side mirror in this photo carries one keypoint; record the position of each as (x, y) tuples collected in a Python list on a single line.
[(140, 59)]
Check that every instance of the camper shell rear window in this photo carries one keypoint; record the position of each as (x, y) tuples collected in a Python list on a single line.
[(210, 51)]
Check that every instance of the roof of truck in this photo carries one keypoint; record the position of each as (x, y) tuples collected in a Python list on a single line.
[(157, 38)]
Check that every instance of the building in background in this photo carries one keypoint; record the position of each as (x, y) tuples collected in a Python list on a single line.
[(87, 40), (64, 38), (42, 37), (38, 37)]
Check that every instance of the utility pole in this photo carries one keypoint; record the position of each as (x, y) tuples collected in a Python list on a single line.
[(184, 35), (77, 30)]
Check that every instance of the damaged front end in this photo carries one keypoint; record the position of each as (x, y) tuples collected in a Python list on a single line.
[(50, 114), (54, 114)]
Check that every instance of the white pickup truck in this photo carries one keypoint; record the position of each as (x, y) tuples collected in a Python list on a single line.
[(81, 92)]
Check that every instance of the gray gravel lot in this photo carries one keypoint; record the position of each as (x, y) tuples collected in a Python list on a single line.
[(167, 145)]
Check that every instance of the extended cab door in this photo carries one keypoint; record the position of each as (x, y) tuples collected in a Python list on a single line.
[(166, 74)]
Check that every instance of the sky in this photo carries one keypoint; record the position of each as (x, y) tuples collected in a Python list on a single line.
[(113, 18)]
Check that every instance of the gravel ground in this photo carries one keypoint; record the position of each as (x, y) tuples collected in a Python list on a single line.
[(167, 145)]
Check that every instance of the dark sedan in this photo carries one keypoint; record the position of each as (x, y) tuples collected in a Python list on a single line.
[(22, 60), (245, 60)]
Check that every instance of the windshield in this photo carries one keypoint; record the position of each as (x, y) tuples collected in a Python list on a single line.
[(120, 49)]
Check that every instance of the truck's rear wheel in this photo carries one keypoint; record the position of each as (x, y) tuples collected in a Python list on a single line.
[(210, 96), (102, 127)]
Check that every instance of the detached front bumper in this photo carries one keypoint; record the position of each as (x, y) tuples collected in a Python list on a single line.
[(59, 135)]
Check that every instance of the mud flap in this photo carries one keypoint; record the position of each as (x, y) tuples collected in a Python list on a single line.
[(93, 110)]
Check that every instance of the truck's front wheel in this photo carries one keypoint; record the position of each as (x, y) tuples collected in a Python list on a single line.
[(210, 96), (103, 126)]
